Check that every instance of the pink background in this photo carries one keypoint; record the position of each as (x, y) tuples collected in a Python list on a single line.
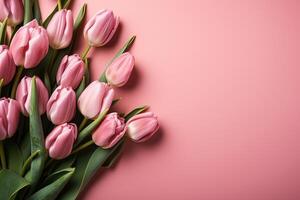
[(223, 76)]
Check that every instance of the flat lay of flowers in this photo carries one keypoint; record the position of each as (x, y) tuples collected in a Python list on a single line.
[(57, 128)]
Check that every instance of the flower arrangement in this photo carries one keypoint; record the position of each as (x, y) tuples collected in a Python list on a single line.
[(56, 127)]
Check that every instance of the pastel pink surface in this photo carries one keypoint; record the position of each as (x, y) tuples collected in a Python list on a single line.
[(223, 77)]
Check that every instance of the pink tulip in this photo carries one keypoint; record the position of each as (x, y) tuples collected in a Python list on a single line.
[(110, 131), (29, 45), (7, 65), (118, 73), (96, 98), (142, 126), (9, 117), (100, 29), (13, 10), (23, 95), (70, 71), (59, 142), (61, 106), (60, 29)]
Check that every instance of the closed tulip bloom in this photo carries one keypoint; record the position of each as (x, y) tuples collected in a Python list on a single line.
[(7, 65), (61, 106), (60, 29), (118, 73), (110, 131), (23, 95), (29, 45), (70, 71), (9, 117), (100, 29), (142, 126), (59, 142), (96, 98), (12, 10)]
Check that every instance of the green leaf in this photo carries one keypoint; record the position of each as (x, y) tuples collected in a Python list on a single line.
[(11, 183), (125, 48), (80, 17), (36, 139), (89, 129), (25, 145), (28, 162), (112, 159), (28, 14), (115, 101), (135, 111), (54, 185), (3, 26), (13, 156), (66, 163), (87, 164)]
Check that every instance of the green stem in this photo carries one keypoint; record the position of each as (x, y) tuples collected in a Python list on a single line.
[(83, 123), (2, 155), (16, 81), (59, 4), (85, 52), (3, 28), (53, 55), (28, 161), (88, 130), (1, 84), (28, 14), (81, 147)]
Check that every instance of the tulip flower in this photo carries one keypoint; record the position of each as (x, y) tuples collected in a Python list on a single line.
[(59, 142), (70, 71), (9, 117), (7, 65), (12, 10), (60, 29), (142, 126), (23, 95), (119, 71), (61, 106), (29, 45), (110, 131), (100, 29), (96, 98)]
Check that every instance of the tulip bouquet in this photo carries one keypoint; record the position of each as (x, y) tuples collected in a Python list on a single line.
[(49, 149)]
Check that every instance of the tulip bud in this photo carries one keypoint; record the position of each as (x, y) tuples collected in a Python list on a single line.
[(100, 29), (118, 73), (29, 45), (23, 95), (110, 131), (9, 117), (7, 65), (142, 126), (96, 98), (60, 29), (70, 71), (12, 10), (61, 106), (59, 142)]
